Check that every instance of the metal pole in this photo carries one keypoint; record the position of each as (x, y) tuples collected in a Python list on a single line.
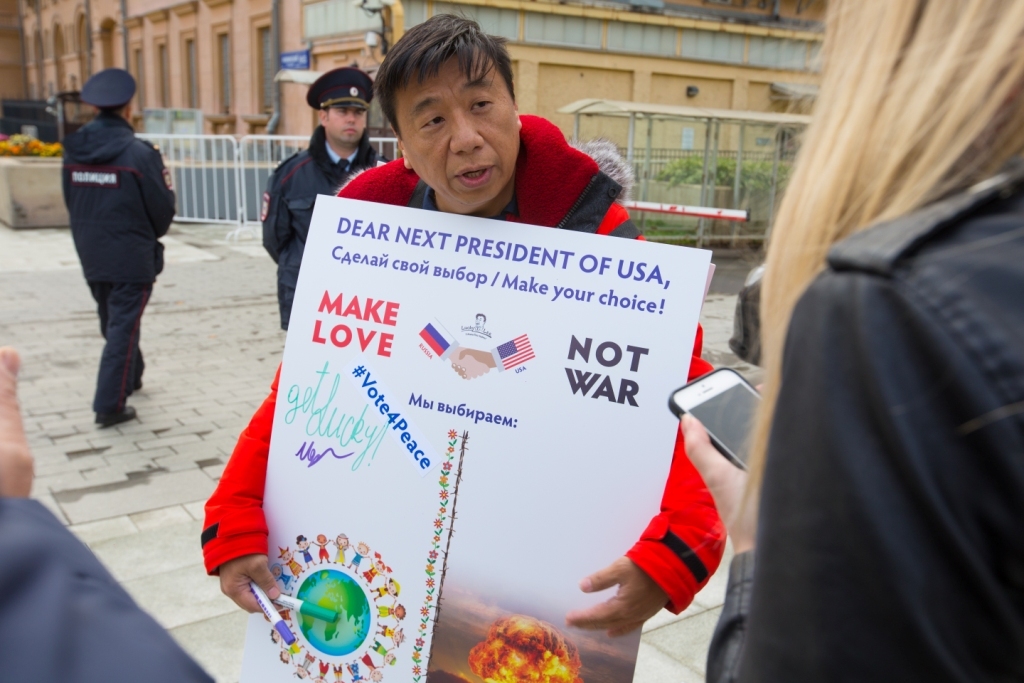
[(647, 168), (629, 147), (24, 53), (275, 45), (704, 175), (240, 203), (124, 31), (712, 181), (775, 177), (40, 51), (647, 157), (88, 40), (736, 178), (59, 103), (195, 160)]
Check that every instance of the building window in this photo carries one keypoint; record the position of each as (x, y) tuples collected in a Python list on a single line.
[(266, 70), (629, 37), (224, 69), (140, 78), (336, 16), (560, 30), (713, 46), (778, 53), (814, 57), (794, 55), (497, 22), (191, 75), (165, 76), (688, 136), (415, 12)]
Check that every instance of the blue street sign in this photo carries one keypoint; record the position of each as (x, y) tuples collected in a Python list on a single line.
[(298, 59)]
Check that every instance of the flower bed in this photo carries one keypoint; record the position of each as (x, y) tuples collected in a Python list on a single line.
[(25, 146)]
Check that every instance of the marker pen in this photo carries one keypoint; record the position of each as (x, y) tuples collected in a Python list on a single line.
[(307, 608), (268, 609)]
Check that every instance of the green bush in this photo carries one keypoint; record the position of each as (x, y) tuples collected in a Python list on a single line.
[(756, 176)]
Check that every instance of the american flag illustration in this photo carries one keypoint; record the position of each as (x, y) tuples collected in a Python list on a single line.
[(515, 352)]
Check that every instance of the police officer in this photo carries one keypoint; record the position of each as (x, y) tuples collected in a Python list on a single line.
[(339, 148), (120, 199)]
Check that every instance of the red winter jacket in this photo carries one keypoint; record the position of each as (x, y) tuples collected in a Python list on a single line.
[(680, 548)]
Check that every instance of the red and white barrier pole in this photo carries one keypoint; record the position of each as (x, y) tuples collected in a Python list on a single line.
[(740, 215)]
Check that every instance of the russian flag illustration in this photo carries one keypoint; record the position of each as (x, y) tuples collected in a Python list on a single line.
[(437, 338)]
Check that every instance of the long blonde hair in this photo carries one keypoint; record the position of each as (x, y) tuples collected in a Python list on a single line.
[(919, 98)]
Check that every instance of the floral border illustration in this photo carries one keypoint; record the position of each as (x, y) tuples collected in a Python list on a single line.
[(432, 568)]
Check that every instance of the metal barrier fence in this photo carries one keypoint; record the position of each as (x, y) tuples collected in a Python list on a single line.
[(221, 179), (259, 155), (205, 173)]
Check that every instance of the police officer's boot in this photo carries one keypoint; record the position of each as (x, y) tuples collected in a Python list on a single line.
[(111, 419)]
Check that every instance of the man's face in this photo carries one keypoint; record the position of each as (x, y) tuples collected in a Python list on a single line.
[(461, 138), (344, 126)]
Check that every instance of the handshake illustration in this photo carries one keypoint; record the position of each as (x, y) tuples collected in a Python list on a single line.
[(471, 363)]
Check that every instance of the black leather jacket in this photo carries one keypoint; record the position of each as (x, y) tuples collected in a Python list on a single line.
[(891, 529)]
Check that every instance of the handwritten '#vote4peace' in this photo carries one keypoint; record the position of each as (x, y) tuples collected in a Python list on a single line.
[(367, 310)]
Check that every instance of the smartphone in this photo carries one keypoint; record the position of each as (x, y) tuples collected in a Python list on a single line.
[(725, 404)]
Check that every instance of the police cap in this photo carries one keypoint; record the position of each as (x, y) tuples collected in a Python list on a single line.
[(109, 89), (344, 87)]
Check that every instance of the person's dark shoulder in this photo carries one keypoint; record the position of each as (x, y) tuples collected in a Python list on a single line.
[(286, 170), (958, 262), (61, 611), (391, 183), (143, 149), (981, 222), (952, 266)]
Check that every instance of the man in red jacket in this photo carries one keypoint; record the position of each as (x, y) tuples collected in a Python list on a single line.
[(447, 88)]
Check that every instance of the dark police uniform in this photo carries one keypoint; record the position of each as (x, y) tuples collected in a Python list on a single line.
[(120, 200), (294, 185)]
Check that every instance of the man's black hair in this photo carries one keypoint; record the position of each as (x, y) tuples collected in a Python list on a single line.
[(425, 48)]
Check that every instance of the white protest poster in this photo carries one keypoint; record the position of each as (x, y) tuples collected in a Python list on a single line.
[(535, 362)]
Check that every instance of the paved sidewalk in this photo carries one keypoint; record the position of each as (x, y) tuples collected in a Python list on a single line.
[(135, 493)]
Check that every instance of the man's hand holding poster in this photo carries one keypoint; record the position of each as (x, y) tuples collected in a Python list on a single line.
[(516, 373)]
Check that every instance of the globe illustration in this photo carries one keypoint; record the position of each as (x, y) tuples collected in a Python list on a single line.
[(337, 591)]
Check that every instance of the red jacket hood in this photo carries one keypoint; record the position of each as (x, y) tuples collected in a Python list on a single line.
[(550, 176)]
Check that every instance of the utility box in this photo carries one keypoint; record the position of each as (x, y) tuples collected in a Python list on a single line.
[(21, 114), (172, 121)]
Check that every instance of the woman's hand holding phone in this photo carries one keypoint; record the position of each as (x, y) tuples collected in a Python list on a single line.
[(725, 481)]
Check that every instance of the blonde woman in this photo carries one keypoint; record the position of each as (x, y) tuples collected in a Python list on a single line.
[(887, 480)]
